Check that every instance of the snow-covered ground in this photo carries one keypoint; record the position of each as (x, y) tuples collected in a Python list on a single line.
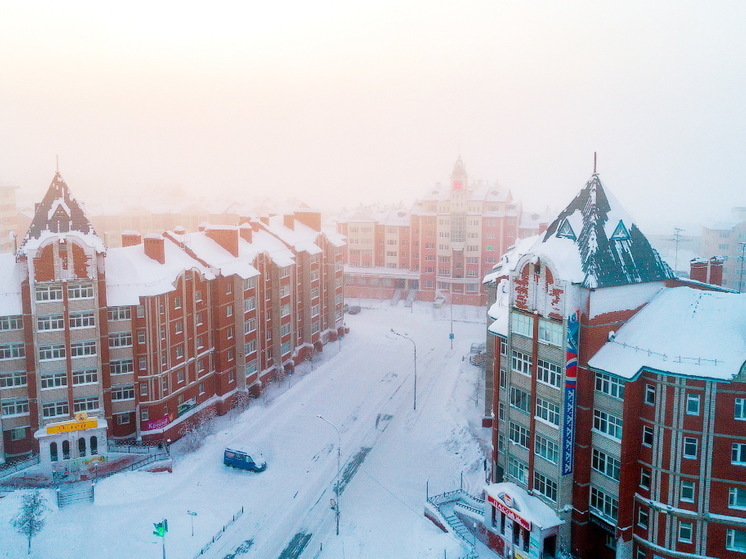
[(364, 386)]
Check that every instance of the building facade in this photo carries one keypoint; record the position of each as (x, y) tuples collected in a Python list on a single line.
[(102, 344), (608, 374), (440, 250), (728, 240)]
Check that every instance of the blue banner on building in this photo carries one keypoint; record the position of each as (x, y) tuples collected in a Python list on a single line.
[(571, 381)]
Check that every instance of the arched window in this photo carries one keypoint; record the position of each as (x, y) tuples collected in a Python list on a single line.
[(81, 446), (53, 452), (66, 450), (94, 445)]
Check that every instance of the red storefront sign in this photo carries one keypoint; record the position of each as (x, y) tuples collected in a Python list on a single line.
[(509, 512), (159, 423)]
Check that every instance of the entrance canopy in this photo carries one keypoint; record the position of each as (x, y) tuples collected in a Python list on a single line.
[(517, 504)]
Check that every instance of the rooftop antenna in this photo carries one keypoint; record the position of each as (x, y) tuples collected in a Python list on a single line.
[(594, 163)]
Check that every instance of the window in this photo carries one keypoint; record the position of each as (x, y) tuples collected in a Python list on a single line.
[(200, 365), (55, 409), (200, 318), (285, 310), (549, 373), (548, 411), (249, 283), (546, 448), (315, 327), (200, 342), (201, 387), (604, 505), (607, 423), (687, 491), (140, 311), (142, 363), (738, 454), (650, 394), (739, 411), (523, 324), (178, 327), (18, 406), (144, 414), (735, 540), (315, 310), (18, 434), (84, 319), (690, 447), (521, 362), (141, 336), (550, 332), (15, 378), (545, 486), (647, 435), (685, 532), (518, 434), (284, 329), (122, 418), (503, 347), (605, 464), (645, 477), (11, 323), (48, 352), (228, 288), (120, 339), (50, 322), (229, 310), (179, 352), (520, 399), (53, 380), (88, 376), (518, 470), (83, 349), (177, 302), (610, 385), (123, 392), (119, 313), (88, 403), (48, 293), (737, 498), (643, 516), (143, 389), (249, 304), (80, 291), (692, 404), (180, 376), (284, 348), (12, 351)]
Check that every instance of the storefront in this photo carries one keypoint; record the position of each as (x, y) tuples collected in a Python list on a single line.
[(74, 446), (519, 525)]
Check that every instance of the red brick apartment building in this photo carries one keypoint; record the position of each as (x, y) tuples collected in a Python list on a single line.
[(440, 249), (102, 344), (619, 396)]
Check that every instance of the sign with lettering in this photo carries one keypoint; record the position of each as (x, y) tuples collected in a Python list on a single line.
[(158, 423), (571, 382), (508, 510), (69, 426)]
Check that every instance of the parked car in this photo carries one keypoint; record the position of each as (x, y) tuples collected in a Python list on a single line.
[(354, 309), (244, 460), (477, 347), (478, 359)]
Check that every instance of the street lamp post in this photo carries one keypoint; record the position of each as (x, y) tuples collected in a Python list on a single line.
[(339, 454), (414, 345)]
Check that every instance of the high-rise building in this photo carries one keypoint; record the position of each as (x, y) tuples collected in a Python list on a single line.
[(99, 345), (618, 398), (439, 250), (728, 239)]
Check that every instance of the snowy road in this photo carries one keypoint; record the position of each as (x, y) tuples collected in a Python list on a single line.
[(389, 451)]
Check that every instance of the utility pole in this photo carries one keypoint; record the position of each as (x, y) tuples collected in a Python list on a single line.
[(414, 345), (339, 455), (741, 258), (676, 237)]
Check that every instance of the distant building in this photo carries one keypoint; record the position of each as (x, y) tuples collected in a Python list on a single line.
[(8, 218), (618, 397), (440, 250), (728, 239), (100, 345)]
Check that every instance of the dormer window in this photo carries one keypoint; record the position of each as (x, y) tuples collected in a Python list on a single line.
[(565, 230), (620, 233)]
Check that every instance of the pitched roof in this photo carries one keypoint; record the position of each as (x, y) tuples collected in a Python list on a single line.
[(57, 214), (611, 249)]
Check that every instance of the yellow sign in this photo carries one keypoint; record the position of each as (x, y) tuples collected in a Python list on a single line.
[(67, 426)]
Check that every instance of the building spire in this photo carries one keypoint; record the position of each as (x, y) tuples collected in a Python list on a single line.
[(594, 163)]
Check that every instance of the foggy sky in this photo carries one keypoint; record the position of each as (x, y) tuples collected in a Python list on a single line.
[(338, 103)]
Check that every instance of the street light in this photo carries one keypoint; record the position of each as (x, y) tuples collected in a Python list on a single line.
[(415, 363), (339, 453), (192, 514)]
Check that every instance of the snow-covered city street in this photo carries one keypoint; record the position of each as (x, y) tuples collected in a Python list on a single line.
[(391, 454)]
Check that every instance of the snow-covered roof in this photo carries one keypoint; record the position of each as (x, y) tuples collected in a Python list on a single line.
[(528, 507), (682, 331), (59, 214), (301, 237), (219, 259), (510, 258), (12, 274), (131, 274), (594, 241)]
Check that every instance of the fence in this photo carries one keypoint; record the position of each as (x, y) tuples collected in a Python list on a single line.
[(219, 534), (13, 467)]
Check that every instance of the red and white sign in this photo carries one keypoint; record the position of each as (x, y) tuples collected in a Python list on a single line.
[(509, 512)]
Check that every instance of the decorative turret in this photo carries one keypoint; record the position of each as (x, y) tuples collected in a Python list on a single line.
[(458, 176)]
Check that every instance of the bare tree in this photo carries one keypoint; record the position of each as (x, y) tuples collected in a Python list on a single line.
[(197, 429), (241, 402), (30, 519)]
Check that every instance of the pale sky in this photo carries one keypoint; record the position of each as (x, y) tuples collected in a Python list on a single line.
[(338, 103)]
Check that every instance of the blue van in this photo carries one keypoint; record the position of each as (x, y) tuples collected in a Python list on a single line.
[(243, 460)]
